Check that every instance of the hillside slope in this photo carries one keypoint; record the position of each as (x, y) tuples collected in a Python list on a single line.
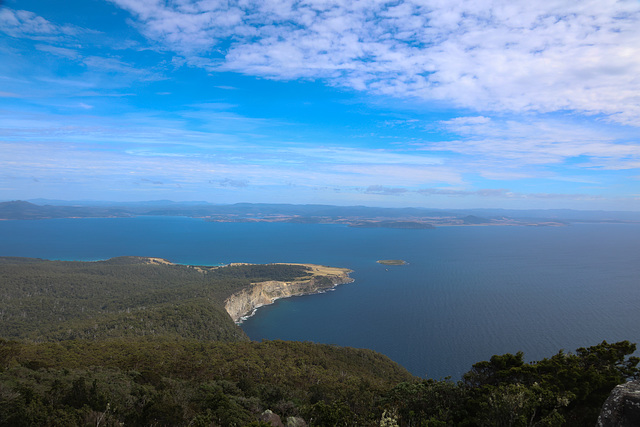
[(143, 297)]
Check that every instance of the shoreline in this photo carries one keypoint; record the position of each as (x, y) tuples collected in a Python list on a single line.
[(243, 304), (255, 309)]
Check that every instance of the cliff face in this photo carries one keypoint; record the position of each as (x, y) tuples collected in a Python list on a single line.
[(321, 278)]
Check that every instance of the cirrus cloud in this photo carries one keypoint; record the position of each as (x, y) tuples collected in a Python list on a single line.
[(23, 23), (540, 142)]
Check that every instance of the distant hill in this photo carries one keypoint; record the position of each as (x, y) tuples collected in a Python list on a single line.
[(20, 210), (308, 213), (474, 220)]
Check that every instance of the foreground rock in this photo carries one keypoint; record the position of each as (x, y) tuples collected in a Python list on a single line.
[(622, 408)]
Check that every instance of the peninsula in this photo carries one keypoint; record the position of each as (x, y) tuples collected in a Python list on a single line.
[(319, 278), (146, 296)]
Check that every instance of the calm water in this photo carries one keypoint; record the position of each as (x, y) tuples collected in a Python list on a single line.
[(467, 293)]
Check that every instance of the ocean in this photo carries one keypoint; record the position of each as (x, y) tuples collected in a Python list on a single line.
[(466, 293)]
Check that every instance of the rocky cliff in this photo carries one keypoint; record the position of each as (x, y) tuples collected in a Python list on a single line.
[(320, 278)]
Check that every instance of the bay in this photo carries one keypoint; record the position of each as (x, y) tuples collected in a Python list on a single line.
[(467, 292)]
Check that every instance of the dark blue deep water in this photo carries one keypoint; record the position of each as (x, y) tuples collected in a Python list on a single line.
[(467, 293)]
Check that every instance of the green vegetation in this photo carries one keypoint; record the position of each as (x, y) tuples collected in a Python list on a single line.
[(190, 382), (391, 262), (186, 382), (130, 342), (565, 389), (124, 297)]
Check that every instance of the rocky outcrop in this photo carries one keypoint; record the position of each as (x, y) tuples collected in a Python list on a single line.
[(272, 419), (622, 408), (246, 301)]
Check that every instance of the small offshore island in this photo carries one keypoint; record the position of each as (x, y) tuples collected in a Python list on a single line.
[(392, 262)]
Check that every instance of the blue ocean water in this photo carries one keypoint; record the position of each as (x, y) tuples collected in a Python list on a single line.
[(466, 294)]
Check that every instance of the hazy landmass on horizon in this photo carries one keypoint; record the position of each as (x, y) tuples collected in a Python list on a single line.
[(354, 216)]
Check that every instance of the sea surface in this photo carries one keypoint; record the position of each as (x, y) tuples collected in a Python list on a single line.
[(466, 294)]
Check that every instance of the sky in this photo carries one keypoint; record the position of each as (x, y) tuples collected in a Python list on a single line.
[(424, 103)]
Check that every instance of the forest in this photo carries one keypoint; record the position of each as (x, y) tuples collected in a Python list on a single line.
[(129, 342)]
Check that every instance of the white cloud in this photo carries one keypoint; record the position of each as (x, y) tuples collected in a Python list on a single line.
[(37, 76), (164, 146), (540, 141), (233, 183), (492, 192), (59, 51), (395, 175), (342, 155), (17, 22), (491, 55), (22, 23), (501, 193), (100, 66), (385, 191)]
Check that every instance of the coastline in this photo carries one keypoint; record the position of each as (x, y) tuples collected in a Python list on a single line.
[(244, 304), (255, 309)]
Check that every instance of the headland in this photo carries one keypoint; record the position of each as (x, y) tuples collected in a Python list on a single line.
[(320, 278)]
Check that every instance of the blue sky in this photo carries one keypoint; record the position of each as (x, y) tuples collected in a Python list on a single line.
[(449, 104)]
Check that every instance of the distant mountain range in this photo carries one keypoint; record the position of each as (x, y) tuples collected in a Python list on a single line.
[(355, 216)]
